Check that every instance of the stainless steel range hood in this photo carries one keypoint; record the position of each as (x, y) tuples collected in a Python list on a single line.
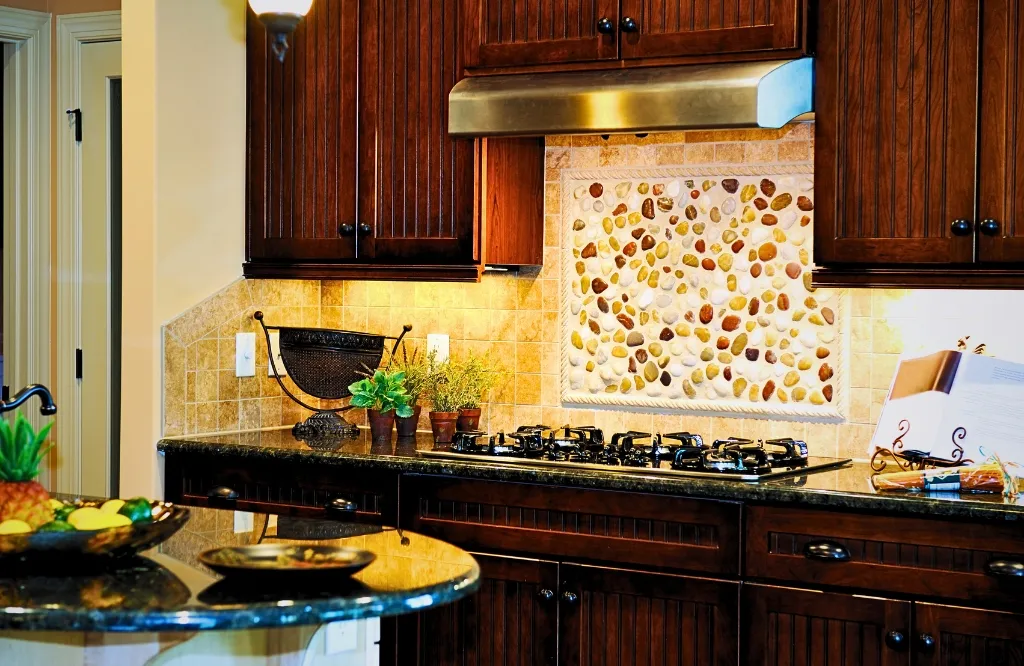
[(746, 94)]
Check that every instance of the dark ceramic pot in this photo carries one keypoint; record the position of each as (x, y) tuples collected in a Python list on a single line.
[(443, 424), (406, 425), (381, 424), (469, 419)]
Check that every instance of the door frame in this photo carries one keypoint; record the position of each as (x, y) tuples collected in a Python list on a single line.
[(73, 31), (27, 270)]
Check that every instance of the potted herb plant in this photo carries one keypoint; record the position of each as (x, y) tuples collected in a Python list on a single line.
[(417, 371), (444, 389), (478, 377), (384, 396)]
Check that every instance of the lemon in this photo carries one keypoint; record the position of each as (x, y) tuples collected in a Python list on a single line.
[(82, 514), (55, 504), (14, 527), (112, 506), (100, 521)]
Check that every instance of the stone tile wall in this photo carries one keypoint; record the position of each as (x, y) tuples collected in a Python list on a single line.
[(515, 317)]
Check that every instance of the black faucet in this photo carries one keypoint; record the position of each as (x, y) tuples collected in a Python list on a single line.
[(48, 407)]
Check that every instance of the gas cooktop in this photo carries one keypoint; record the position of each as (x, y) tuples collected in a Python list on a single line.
[(670, 454)]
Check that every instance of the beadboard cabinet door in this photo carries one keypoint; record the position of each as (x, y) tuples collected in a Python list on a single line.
[(302, 113), (896, 116), (614, 616), (709, 27), (950, 636), (789, 626), (509, 33)]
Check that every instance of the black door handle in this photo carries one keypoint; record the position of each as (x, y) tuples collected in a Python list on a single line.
[(926, 643), (895, 640), (340, 508), (827, 551), (546, 594), (961, 227), (365, 229), (569, 598), (605, 26), (1005, 569), (222, 496), (628, 24), (989, 227), (347, 229)]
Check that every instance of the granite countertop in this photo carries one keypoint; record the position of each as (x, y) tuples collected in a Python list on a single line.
[(166, 589), (848, 487)]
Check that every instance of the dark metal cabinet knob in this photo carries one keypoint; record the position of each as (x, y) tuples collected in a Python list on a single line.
[(1005, 569), (989, 227), (962, 227), (926, 643), (222, 495), (340, 506), (826, 551), (546, 594), (569, 598), (347, 229), (365, 229), (605, 26), (895, 640), (628, 24)]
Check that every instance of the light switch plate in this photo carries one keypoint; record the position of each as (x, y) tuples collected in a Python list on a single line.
[(275, 350), (437, 344), (245, 355)]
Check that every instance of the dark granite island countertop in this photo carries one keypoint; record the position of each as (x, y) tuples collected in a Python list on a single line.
[(845, 488), (167, 590)]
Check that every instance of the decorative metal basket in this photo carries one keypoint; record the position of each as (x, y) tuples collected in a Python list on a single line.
[(323, 362)]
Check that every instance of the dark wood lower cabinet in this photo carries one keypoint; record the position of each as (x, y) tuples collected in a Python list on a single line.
[(613, 617), (786, 626), (950, 636), (511, 621)]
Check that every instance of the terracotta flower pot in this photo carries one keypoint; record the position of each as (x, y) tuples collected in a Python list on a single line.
[(469, 419), (381, 424), (443, 424), (406, 425)]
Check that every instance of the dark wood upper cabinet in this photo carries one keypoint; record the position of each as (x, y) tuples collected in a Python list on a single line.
[(917, 158), (950, 636), (351, 172), (502, 34), (507, 33), (789, 626), (612, 616), (709, 27), (301, 175)]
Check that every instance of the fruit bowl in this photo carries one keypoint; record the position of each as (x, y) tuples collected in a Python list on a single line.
[(111, 542)]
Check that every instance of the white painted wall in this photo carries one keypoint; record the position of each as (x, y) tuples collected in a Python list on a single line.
[(184, 185)]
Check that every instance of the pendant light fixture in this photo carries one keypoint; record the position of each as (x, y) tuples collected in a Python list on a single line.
[(281, 18)]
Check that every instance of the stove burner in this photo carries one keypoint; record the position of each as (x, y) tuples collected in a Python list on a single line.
[(680, 451)]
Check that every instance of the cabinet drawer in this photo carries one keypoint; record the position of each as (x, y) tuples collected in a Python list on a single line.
[(294, 489), (915, 556), (625, 528)]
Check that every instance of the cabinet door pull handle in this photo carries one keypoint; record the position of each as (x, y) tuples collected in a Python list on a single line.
[(962, 227), (340, 507), (895, 640), (365, 229), (222, 496), (347, 229), (1005, 568), (605, 26), (926, 643), (989, 227), (826, 551), (546, 594), (628, 24), (569, 598)]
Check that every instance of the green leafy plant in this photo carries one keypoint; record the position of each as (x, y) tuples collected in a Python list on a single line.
[(21, 449), (479, 376), (383, 391), (417, 371), (453, 384)]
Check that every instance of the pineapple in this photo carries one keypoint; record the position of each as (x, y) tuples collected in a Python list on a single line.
[(21, 451)]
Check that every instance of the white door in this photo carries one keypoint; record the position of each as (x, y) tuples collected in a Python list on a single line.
[(100, 240)]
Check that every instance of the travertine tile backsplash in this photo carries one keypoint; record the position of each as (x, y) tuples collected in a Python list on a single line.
[(516, 318)]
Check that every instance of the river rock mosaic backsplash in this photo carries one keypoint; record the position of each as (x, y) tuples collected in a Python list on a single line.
[(692, 290)]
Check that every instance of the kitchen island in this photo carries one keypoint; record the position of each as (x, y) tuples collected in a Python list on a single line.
[(168, 601)]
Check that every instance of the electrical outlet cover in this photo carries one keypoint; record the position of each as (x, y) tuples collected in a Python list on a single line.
[(245, 355)]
